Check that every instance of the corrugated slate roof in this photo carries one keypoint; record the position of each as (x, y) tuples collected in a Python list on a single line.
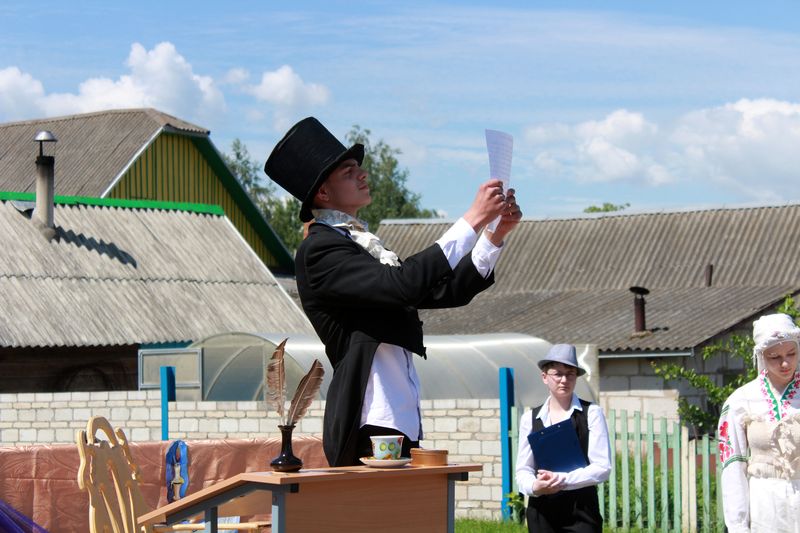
[(678, 318), (92, 149), (568, 279), (117, 275)]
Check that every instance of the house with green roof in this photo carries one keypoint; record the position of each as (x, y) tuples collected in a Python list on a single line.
[(113, 276), (139, 154)]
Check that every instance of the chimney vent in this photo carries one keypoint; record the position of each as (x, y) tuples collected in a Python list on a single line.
[(709, 274), (640, 325), (45, 187)]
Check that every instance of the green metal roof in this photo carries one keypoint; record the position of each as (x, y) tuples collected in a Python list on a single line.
[(114, 202)]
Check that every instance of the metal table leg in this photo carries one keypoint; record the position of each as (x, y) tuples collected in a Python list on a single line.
[(451, 498)]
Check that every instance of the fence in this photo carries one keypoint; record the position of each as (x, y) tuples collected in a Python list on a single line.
[(660, 480)]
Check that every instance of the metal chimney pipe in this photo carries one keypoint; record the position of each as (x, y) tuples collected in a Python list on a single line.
[(45, 182), (709, 274), (45, 190), (640, 323)]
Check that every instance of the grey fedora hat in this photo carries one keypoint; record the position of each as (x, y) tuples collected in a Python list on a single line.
[(564, 354)]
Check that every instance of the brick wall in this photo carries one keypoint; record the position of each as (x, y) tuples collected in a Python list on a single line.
[(469, 429)]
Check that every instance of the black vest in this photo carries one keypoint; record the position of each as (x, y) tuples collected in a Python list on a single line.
[(579, 421), (568, 510)]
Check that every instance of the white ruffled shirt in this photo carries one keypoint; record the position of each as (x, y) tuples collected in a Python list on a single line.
[(599, 454), (393, 391)]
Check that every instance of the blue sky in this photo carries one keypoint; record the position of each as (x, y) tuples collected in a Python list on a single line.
[(661, 105)]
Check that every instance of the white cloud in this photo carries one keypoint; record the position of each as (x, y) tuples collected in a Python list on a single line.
[(547, 133), (19, 94), (411, 151), (608, 160), (160, 78), (283, 87), (612, 149), (748, 146), (621, 125), (236, 76), (287, 91)]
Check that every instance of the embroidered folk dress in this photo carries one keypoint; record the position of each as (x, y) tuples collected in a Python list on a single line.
[(759, 449)]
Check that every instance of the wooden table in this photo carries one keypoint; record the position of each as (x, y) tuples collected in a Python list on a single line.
[(351, 498)]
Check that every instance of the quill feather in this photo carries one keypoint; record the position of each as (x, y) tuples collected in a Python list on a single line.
[(276, 381), (306, 393)]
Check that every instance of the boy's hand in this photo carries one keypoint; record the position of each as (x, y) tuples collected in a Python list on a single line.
[(547, 483), (508, 221), (489, 203)]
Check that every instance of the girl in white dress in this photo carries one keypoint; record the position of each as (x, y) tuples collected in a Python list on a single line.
[(759, 436)]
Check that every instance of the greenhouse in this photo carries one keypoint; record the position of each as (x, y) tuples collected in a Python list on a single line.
[(230, 366)]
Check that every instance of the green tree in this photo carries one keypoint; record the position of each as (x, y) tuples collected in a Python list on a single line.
[(281, 212), (736, 346), (387, 182), (247, 171), (607, 207)]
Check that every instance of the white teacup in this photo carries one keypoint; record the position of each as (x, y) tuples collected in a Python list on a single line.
[(387, 447)]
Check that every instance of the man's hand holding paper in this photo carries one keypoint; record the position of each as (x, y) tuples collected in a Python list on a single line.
[(500, 146)]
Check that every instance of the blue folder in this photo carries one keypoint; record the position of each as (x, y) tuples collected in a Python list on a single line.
[(556, 448)]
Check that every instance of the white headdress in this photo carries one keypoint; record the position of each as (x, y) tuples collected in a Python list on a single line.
[(769, 330)]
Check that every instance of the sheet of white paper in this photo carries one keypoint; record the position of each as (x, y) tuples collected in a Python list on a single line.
[(500, 146)]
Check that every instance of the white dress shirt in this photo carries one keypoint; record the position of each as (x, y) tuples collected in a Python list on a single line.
[(392, 396), (599, 465)]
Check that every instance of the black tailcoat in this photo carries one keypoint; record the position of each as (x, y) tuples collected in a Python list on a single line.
[(356, 303)]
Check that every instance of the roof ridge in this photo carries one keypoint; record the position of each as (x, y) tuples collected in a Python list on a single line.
[(200, 281), (162, 118), (610, 214)]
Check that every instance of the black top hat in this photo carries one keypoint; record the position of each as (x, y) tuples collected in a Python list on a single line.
[(304, 158)]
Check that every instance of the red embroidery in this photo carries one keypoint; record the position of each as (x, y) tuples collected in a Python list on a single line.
[(725, 450)]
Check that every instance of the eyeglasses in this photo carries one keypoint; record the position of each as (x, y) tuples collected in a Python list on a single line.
[(558, 376)]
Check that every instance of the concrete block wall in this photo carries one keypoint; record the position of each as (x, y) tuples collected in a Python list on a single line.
[(632, 385), (48, 418), (469, 429)]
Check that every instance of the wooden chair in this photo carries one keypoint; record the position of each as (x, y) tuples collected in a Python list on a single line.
[(111, 477)]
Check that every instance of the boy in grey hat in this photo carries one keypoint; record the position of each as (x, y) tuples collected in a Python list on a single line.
[(564, 501)]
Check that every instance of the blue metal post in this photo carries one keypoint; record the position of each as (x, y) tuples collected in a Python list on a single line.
[(167, 395), (506, 402)]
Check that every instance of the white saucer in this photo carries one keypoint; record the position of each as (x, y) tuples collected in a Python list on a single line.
[(385, 463)]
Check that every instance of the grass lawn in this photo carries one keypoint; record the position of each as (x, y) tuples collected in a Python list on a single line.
[(468, 525)]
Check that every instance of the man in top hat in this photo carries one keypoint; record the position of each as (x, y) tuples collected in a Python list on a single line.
[(564, 501), (361, 300)]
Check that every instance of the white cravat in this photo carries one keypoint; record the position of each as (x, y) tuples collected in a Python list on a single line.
[(359, 232)]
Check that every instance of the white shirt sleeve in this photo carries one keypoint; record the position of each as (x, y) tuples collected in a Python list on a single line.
[(460, 238), (733, 452), (457, 241), (485, 256), (525, 473), (599, 465)]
